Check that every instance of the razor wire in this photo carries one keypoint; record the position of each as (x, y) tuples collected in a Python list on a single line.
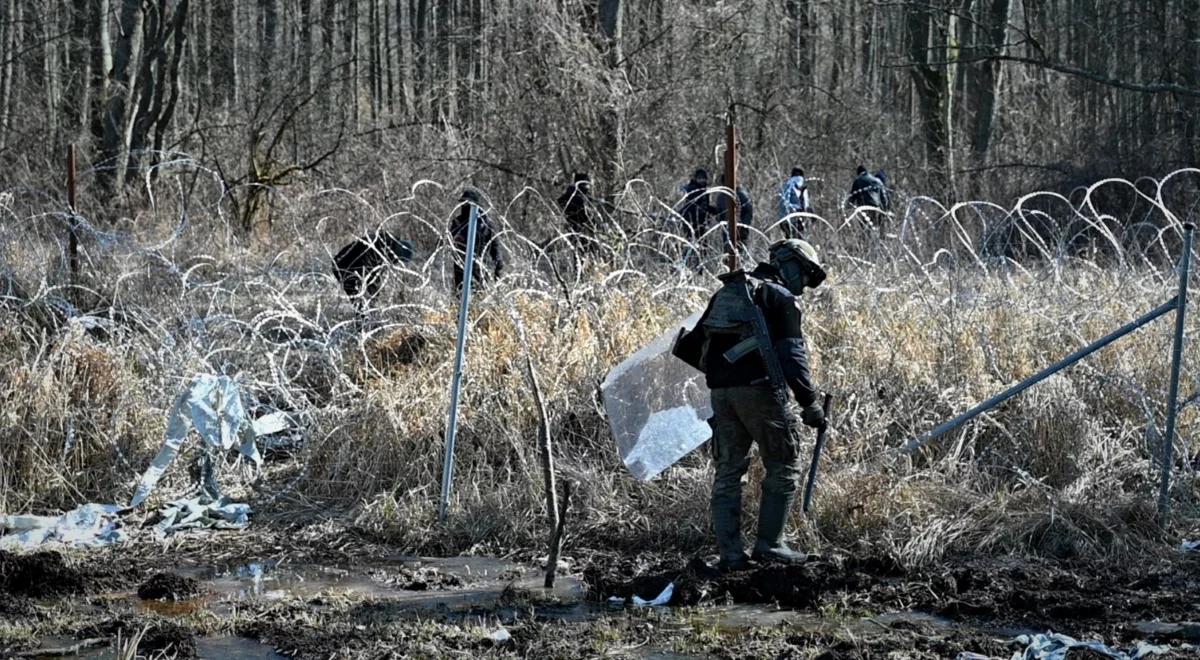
[(186, 291)]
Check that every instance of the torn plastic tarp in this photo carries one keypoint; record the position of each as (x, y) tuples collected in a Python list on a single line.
[(90, 525), (1053, 646), (213, 406), (662, 598), (201, 513), (657, 406)]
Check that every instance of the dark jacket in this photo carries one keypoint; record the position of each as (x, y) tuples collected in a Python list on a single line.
[(580, 210), (696, 208), (745, 207), (867, 190), (359, 264), (485, 235), (782, 313)]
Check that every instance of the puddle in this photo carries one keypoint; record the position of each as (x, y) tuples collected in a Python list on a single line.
[(414, 583), (234, 648)]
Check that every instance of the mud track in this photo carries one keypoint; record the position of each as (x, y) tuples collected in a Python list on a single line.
[(376, 605)]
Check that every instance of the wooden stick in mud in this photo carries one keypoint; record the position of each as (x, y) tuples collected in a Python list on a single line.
[(556, 536), (547, 453)]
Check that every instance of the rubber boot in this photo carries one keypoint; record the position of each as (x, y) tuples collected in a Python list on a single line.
[(772, 517), (727, 523)]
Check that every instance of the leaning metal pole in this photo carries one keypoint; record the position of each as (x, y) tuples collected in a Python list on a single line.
[(459, 351), (731, 158), (1185, 264), (1165, 308)]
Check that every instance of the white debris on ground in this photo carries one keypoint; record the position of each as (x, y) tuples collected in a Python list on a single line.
[(214, 407), (201, 513), (1054, 646), (657, 406), (90, 525), (659, 600)]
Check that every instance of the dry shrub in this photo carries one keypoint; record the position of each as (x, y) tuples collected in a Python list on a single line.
[(1047, 436)]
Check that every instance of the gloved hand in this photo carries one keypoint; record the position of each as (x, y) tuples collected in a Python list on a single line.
[(813, 416)]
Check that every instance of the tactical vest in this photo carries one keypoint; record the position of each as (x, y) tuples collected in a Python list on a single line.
[(731, 317)]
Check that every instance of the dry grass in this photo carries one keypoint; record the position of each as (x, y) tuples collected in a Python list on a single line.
[(910, 331)]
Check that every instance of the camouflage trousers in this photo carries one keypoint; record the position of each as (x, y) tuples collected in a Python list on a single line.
[(743, 416)]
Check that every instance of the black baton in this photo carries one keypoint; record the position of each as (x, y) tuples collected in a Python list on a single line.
[(816, 459)]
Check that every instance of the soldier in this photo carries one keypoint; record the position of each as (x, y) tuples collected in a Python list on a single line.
[(485, 238), (793, 200), (750, 346), (360, 266)]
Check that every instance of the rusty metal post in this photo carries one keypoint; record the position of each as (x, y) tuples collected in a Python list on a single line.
[(72, 237), (731, 163), (1168, 457)]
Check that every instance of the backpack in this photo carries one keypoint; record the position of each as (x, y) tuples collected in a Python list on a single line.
[(731, 316)]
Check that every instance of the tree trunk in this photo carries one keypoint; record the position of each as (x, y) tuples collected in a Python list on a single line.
[(931, 84), (163, 114), (118, 121), (404, 52), (420, 21), (77, 102), (8, 34), (612, 126), (304, 45), (987, 77), (268, 48)]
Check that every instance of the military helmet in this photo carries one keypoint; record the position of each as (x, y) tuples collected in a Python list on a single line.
[(798, 263)]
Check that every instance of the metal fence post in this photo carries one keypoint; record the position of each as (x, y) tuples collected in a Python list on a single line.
[(1168, 457), (460, 349)]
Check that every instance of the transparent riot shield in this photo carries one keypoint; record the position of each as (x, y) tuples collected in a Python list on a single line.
[(658, 407)]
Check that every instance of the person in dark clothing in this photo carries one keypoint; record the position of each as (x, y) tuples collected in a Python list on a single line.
[(885, 191), (750, 385), (867, 190), (695, 206), (485, 239), (583, 212), (360, 266), (745, 212), (867, 193)]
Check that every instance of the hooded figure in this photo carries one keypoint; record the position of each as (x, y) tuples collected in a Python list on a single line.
[(581, 211), (793, 200), (751, 348), (485, 238)]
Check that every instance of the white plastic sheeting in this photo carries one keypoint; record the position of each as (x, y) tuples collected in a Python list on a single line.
[(1053, 646), (90, 525), (657, 406), (201, 513), (212, 405)]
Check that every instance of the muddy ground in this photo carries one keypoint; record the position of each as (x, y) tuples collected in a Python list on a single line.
[(270, 594)]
